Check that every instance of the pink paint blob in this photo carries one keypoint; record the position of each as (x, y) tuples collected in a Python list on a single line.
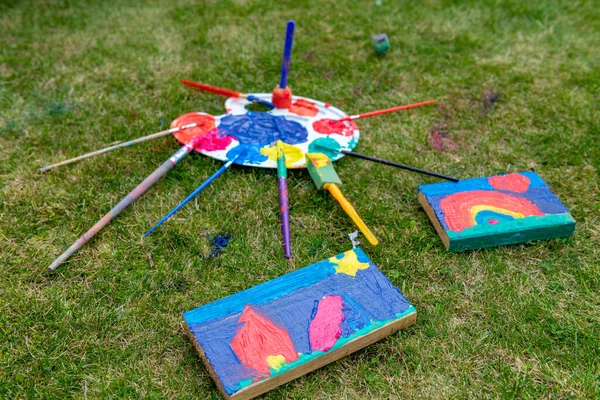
[(493, 221), (325, 327), (213, 140), (513, 182), (304, 107), (260, 338), (331, 126)]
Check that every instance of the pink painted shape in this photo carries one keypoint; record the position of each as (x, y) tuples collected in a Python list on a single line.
[(493, 221), (513, 182), (325, 327)]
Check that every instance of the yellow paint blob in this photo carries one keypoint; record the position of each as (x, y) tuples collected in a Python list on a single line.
[(292, 154), (276, 362), (348, 264), (319, 159), (498, 210)]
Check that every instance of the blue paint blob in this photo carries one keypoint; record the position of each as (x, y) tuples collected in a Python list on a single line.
[(327, 146), (250, 154), (261, 129), (483, 217), (219, 243)]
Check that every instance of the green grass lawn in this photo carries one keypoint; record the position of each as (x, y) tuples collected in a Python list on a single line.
[(517, 321)]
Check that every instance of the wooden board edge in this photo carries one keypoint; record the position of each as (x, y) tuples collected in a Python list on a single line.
[(388, 329), (436, 223), (209, 368)]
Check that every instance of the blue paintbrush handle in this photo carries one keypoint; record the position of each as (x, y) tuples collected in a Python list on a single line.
[(263, 102), (287, 53), (193, 194)]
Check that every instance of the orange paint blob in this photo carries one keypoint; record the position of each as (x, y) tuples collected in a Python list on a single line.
[(205, 123), (304, 107)]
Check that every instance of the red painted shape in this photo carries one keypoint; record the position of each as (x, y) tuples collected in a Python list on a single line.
[(260, 338), (513, 182), (282, 98), (304, 107), (205, 123), (325, 327), (331, 126), (457, 207)]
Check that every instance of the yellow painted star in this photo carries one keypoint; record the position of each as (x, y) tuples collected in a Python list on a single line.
[(349, 264)]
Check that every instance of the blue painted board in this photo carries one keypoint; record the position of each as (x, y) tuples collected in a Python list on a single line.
[(259, 338), (496, 210)]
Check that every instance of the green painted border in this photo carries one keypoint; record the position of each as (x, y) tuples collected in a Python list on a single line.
[(512, 232)]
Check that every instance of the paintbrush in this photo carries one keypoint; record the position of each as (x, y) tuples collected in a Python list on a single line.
[(387, 110), (331, 148), (130, 198), (200, 188), (284, 208), (324, 176), (121, 145), (226, 92)]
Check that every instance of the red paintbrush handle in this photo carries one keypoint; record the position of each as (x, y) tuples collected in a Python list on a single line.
[(389, 110), (211, 88)]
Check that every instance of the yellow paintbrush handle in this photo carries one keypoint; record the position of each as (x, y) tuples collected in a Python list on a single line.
[(337, 194)]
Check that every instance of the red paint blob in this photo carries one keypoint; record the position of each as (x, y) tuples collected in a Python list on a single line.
[(304, 107), (457, 207), (205, 123), (330, 127), (260, 338), (513, 182)]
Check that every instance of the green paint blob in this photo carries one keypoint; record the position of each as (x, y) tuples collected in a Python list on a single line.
[(327, 146)]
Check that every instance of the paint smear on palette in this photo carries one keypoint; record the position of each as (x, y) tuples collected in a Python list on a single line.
[(248, 154), (293, 154), (260, 342), (329, 147), (325, 325), (331, 127), (205, 123), (304, 108), (260, 129), (213, 140)]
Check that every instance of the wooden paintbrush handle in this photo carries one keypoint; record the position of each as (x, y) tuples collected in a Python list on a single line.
[(337, 194)]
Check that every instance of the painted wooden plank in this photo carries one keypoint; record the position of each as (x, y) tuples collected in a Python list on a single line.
[(265, 336), (495, 211)]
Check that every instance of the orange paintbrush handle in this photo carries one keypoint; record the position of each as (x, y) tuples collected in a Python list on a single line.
[(337, 194), (212, 89)]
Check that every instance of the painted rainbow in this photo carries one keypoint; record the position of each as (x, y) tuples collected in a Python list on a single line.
[(263, 337), (495, 211)]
